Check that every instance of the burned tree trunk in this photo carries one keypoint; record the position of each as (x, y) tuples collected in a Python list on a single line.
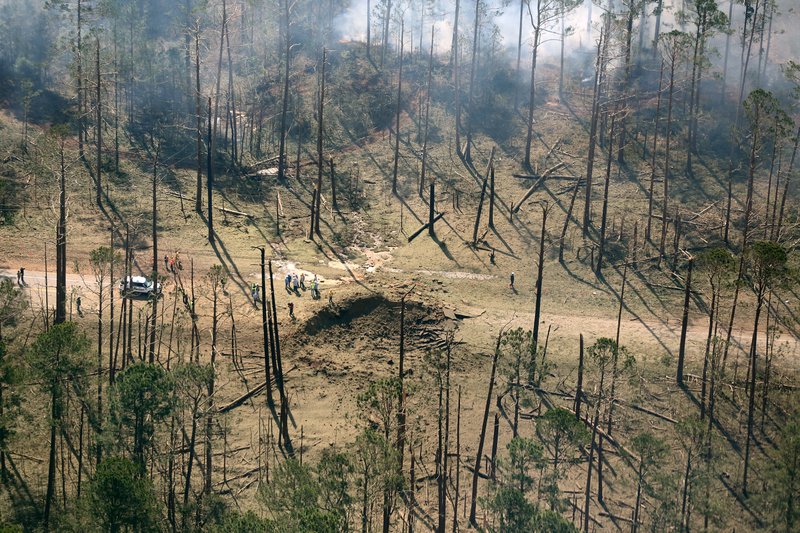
[(320, 162), (491, 199), (397, 114), (684, 323), (432, 209), (474, 61), (154, 275), (264, 331), (99, 128), (653, 160), (61, 243), (427, 117), (579, 388), (198, 199), (604, 216), (457, 79), (210, 177), (479, 453), (587, 207), (489, 168), (285, 103), (538, 307), (333, 184)]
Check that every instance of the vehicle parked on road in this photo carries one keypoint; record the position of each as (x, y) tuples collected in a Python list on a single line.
[(138, 287)]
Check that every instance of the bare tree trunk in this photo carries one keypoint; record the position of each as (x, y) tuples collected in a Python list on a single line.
[(320, 130), (519, 55), (653, 161), (474, 61), (79, 75), (61, 244), (223, 30), (752, 392), (333, 185), (587, 206), (427, 116), (537, 312), (684, 323), (626, 83), (285, 103), (232, 98), (198, 200), (431, 209), (604, 216), (401, 397), (579, 388), (532, 103), (386, 21), (210, 408), (111, 356), (588, 489), (667, 159), (458, 464), (493, 456), (479, 453), (369, 31), (99, 127), (397, 112), (154, 275), (489, 168), (457, 79), (266, 339), (491, 199)]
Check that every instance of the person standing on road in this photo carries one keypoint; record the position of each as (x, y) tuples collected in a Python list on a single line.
[(291, 310), (18, 282), (22, 275), (288, 281), (303, 280), (511, 285), (78, 306), (296, 284)]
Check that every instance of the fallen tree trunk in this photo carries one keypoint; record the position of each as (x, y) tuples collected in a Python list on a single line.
[(258, 389), (424, 227), (533, 188)]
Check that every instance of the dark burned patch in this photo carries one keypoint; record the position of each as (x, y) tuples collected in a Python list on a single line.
[(373, 323)]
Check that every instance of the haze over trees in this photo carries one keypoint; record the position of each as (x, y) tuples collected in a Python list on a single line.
[(540, 265)]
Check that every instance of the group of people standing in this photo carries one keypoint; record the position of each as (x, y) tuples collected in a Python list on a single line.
[(294, 284), (173, 264)]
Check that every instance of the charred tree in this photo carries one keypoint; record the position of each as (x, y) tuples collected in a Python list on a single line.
[(427, 117), (587, 206), (479, 454), (653, 154), (210, 177), (282, 160), (471, 95), (538, 306), (198, 110), (397, 112), (61, 240), (684, 322), (264, 331), (156, 146), (604, 217), (320, 131)]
